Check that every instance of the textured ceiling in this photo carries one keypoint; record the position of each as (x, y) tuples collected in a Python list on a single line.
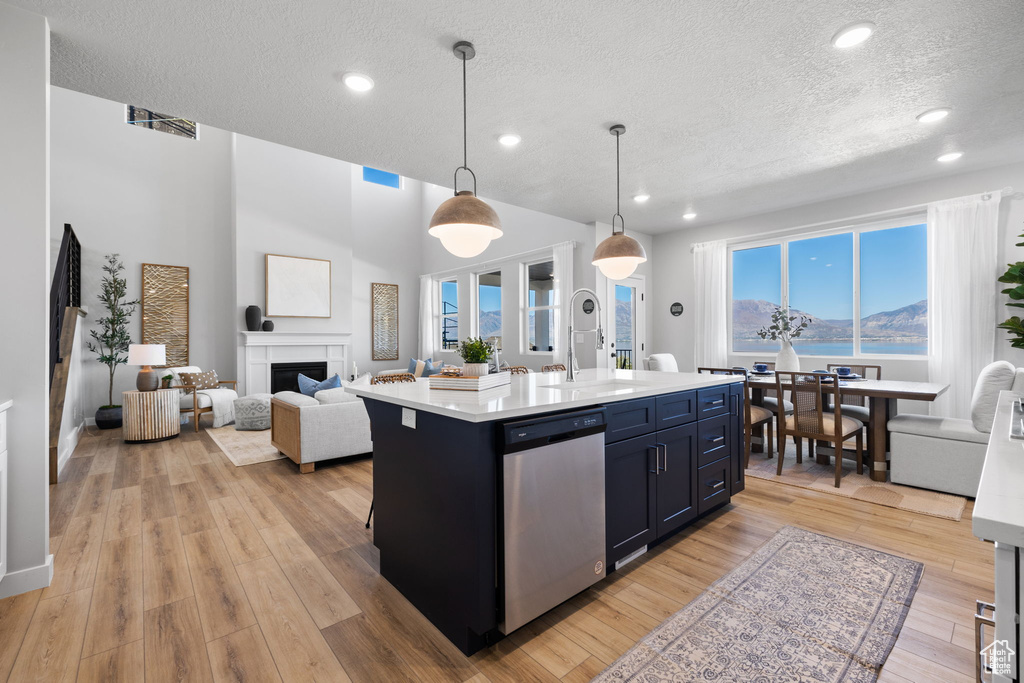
[(732, 107)]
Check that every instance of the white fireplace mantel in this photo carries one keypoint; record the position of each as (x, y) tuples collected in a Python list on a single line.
[(263, 349)]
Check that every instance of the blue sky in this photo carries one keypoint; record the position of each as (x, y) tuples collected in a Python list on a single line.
[(893, 272), (490, 298)]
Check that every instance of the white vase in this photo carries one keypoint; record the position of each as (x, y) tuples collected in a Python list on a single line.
[(474, 369), (787, 360)]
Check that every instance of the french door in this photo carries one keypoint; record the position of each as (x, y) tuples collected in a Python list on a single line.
[(626, 316)]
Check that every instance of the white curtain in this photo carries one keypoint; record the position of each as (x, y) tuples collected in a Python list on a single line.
[(563, 261), (962, 296), (428, 316), (711, 307)]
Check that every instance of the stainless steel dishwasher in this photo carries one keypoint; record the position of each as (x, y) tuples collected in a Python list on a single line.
[(553, 502)]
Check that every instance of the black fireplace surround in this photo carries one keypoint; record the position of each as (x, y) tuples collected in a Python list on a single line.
[(285, 376)]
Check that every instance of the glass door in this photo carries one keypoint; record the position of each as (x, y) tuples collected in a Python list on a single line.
[(625, 342)]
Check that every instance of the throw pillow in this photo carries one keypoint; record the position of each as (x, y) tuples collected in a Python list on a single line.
[(201, 380), (309, 387), (424, 368)]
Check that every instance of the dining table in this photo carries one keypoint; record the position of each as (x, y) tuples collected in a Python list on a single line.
[(881, 396)]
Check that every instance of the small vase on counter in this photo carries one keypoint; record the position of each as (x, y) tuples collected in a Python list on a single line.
[(268, 325), (787, 360), (474, 369)]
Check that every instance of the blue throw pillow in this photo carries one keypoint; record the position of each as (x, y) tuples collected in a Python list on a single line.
[(424, 368), (311, 386)]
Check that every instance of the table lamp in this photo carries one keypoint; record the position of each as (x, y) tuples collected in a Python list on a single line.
[(147, 355)]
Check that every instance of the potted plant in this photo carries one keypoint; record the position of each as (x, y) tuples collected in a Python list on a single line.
[(785, 328), (474, 353), (1014, 326), (112, 338), (165, 381)]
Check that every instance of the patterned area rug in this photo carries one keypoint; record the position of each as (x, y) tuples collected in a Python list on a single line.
[(804, 607), (810, 475), (245, 448)]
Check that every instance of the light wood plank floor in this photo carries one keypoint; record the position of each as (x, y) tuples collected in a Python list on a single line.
[(172, 563)]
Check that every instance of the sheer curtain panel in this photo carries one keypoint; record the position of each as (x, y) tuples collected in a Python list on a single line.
[(711, 306), (962, 296), (428, 316)]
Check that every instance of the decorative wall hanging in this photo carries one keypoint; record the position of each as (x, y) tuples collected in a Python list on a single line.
[(676, 309), (384, 319), (165, 310), (298, 287)]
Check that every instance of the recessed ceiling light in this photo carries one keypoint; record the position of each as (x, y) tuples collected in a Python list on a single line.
[(853, 34), (689, 216), (510, 139), (933, 115), (641, 198), (950, 156), (357, 82)]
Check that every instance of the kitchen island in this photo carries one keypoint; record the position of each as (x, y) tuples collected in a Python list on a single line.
[(454, 471)]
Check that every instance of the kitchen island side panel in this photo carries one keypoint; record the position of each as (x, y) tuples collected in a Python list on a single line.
[(435, 515)]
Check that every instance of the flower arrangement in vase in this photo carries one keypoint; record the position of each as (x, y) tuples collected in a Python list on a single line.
[(474, 353), (785, 328)]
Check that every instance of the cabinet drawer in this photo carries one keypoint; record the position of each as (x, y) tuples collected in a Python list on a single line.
[(627, 419), (676, 409), (713, 439), (713, 401), (712, 485)]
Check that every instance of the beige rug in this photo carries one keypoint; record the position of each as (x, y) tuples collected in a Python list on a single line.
[(810, 475), (245, 448), (804, 607)]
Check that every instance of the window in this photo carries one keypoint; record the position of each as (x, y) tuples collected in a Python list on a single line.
[(489, 307), (145, 118), (866, 290), (540, 306), (449, 315), (373, 175)]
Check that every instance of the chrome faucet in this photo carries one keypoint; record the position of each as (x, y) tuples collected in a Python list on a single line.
[(570, 372)]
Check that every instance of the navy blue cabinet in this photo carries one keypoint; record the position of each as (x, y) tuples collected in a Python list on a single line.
[(674, 479), (630, 495)]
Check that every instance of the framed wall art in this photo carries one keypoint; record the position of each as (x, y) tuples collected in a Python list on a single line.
[(165, 310), (298, 287), (384, 321)]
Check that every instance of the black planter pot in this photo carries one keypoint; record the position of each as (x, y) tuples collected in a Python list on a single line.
[(253, 317), (268, 325), (108, 418)]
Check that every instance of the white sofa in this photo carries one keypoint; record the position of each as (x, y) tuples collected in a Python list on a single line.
[(947, 454), (308, 429)]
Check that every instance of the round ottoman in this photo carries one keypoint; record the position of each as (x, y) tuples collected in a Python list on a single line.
[(252, 413)]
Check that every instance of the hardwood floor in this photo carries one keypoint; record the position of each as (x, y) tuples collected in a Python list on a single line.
[(172, 561)]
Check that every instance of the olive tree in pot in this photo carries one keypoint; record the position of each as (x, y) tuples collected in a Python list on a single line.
[(111, 340), (475, 353)]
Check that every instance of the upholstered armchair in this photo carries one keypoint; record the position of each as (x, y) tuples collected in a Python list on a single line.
[(219, 401)]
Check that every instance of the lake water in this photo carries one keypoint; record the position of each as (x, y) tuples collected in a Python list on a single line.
[(835, 348)]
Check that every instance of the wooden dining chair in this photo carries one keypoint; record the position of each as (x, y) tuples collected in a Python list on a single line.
[(554, 367), (519, 370), (754, 417), (856, 406), (811, 421)]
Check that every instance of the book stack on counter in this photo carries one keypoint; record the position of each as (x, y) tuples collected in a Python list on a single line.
[(491, 381)]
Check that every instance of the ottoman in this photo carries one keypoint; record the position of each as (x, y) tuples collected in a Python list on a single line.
[(252, 413)]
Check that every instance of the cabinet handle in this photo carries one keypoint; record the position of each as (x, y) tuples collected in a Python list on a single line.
[(716, 402), (715, 439), (980, 622), (715, 485), (657, 460), (665, 446)]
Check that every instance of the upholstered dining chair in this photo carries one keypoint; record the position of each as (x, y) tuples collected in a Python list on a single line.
[(811, 421), (395, 378), (662, 362), (856, 406), (754, 417), (554, 367), (519, 370)]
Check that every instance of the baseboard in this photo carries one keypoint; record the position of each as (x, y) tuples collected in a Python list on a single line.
[(25, 580), (69, 448), (90, 422)]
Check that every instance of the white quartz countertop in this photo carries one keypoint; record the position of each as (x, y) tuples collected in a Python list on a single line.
[(999, 507), (539, 392)]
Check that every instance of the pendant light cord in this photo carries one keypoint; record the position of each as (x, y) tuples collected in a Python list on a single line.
[(465, 154), (618, 193)]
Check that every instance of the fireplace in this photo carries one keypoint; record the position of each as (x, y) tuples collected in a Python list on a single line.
[(285, 376)]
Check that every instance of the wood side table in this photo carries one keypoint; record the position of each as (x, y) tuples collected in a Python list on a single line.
[(150, 415)]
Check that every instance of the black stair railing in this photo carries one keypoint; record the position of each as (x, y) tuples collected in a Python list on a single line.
[(65, 290)]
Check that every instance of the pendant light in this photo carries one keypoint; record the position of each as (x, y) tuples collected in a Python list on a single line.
[(618, 255), (465, 224)]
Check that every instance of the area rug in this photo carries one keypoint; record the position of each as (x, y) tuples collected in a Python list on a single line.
[(811, 475), (245, 448), (803, 607)]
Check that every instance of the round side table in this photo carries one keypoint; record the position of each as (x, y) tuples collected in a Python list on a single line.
[(151, 415)]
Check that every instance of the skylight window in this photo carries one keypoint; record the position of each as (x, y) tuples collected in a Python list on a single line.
[(374, 175), (175, 125)]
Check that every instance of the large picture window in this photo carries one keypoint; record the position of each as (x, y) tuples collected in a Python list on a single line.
[(866, 290), (449, 314), (539, 329), (489, 307)]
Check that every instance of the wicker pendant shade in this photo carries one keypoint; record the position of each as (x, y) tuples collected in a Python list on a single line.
[(465, 224), (619, 254)]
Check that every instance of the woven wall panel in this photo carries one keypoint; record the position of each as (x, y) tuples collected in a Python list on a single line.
[(165, 310), (384, 314)]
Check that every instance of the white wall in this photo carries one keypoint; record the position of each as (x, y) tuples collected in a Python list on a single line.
[(673, 263), (24, 280), (153, 198)]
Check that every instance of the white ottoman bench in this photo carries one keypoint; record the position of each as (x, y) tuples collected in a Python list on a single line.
[(252, 413)]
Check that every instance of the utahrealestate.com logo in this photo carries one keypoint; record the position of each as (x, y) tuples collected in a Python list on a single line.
[(999, 658)]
